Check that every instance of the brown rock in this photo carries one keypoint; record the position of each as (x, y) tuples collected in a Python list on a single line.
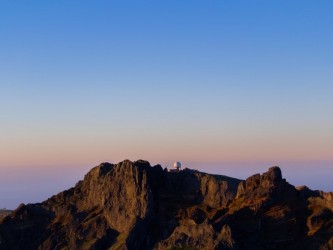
[(131, 205)]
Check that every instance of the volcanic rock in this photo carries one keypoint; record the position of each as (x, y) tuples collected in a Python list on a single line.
[(132, 205)]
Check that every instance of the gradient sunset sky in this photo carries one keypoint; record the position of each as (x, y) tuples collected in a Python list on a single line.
[(228, 87)]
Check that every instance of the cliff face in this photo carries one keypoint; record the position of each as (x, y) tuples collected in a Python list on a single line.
[(131, 205)]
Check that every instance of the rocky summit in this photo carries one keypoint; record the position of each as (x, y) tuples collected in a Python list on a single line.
[(132, 205)]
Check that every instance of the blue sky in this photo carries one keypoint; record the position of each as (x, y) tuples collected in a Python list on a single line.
[(214, 83)]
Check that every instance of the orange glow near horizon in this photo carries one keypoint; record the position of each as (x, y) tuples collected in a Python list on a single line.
[(62, 153)]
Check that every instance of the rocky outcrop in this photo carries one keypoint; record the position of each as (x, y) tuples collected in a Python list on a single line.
[(132, 205), (266, 183)]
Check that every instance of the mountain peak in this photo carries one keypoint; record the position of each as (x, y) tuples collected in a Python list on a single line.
[(133, 205)]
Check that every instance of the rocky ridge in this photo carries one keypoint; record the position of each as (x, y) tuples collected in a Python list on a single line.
[(132, 205)]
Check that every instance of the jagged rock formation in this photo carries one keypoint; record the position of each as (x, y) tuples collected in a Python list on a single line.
[(131, 205)]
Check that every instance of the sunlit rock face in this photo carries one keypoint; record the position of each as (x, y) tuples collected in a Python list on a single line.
[(132, 205)]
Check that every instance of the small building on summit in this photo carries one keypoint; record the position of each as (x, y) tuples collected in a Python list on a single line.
[(177, 166)]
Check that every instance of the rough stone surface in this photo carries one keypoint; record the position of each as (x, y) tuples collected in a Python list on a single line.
[(132, 205)]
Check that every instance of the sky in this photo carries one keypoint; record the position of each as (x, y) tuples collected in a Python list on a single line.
[(227, 87)]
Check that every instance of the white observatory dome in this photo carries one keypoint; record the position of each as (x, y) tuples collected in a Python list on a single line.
[(177, 165)]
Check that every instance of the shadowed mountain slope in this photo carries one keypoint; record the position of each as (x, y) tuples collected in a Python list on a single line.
[(131, 205)]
